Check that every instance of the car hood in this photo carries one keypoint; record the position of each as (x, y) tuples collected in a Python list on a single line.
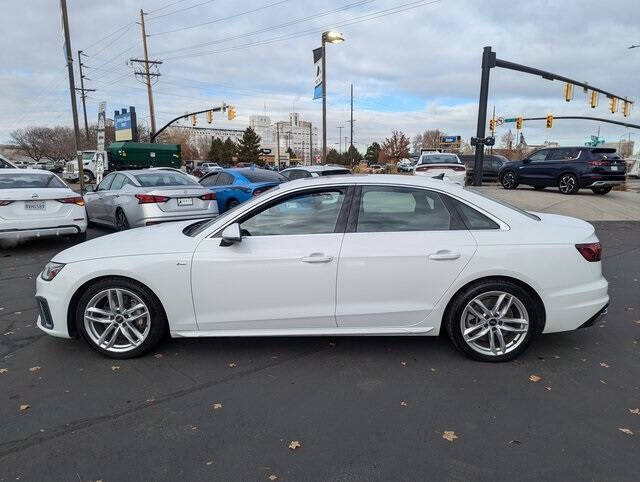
[(155, 239)]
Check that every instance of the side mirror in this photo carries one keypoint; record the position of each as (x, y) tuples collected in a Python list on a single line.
[(231, 235)]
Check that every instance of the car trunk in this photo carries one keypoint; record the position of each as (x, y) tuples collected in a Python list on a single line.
[(438, 168), (34, 203), (181, 198), (606, 161)]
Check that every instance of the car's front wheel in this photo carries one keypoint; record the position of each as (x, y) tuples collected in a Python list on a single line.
[(601, 190), (493, 321), (509, 180), (568, 184), (120, 318)]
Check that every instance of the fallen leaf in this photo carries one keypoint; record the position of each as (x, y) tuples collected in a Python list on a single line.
[(3, 370), (232, 365), (294, 444), (273, 477), (403, 363), (24, 407), (217, 406), (603, 364), (433, 369), (626, 430), (637, 322), (584, 359), (556, 356), (34, 369), (210, 462), (403, 403), (635, 411), (157, 355), (548, 388), (603, 382), (535, 378), (115, 367), (514, 441), (332, 343), (8, 333), (449, 435), (17, 312)]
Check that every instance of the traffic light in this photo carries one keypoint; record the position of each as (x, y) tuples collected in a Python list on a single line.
[(492, 125), (594, 99), (613, 105), (193, 120), (519, 123), (625, 108), (210, 116), (549, 121), (568, 92), (231, 113)]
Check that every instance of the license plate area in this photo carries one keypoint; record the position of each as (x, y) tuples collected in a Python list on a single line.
[(185, 201), (34, 205), (614, 168)]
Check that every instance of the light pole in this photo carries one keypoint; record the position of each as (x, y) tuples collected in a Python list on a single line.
[(332, 38), (634, 47)]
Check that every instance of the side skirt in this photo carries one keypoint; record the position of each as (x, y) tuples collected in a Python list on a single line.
[(396, 331)]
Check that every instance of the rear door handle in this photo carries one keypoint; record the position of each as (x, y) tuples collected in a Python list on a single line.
[(316, 258), (444, 255)]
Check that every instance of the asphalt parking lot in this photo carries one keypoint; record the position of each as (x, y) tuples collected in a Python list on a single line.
[(359, 408)]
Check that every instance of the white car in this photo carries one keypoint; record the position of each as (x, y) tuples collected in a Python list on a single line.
[(37, 203), (6, 163), (302, 172), (436, 163), (336, 255)]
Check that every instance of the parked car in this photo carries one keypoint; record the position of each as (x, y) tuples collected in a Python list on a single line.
[(235, 186), (6, 163), (37, 203), (312, 253), (129, 199), (23, 164), (405, 165), (173, 169), (568, 168), (435, 163), (301, 172), (376, 168), (205, 168), (490, 166)]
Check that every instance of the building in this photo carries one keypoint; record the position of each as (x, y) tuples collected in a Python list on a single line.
[(623, 148), (295, 134), (206, 134)]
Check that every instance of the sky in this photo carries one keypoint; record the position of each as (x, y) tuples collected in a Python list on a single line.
[(414, 65)]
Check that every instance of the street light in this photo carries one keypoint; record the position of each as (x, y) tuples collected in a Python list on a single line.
[(332, 38), (634, 47)]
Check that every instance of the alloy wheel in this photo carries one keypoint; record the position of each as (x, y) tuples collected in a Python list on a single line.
[(117, 320), (121, 221), (494, 323), (567, 184), (508, 180)]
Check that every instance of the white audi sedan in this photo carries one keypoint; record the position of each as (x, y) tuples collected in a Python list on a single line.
[(36, 203), (337, 255)]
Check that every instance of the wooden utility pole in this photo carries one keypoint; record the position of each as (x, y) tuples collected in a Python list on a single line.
[(83, 96), (147, 73), (351, 129), (72, 89)]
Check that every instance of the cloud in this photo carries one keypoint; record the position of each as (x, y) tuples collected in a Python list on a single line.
[(415, 70)]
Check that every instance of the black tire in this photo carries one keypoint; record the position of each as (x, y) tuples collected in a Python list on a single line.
[(568, 183), (232, 203), (602, 190), (88, 177), (509, 180), (121, 221), (158, 319), (453, 316)]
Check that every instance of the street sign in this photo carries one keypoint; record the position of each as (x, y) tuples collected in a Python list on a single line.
[(266, 151), (511, 119), (500, 121)]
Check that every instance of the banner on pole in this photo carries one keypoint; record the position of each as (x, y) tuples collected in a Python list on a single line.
[(317, 65)]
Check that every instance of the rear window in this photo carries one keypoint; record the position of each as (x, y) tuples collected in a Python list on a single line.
[(29, 181), (335, 172), (440, 159), (164, 178), (505, 204), (262, 175)]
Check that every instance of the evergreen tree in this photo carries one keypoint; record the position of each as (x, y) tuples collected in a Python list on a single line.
[(373, 152), (215, 153), (249, 146), (228, 150), (334, 157), (352, 154)]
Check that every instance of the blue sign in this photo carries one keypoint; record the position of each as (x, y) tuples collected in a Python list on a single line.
[(126, 125)]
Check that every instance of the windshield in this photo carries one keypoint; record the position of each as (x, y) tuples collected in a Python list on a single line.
[(440, 159), (29, 181), (262, 175), (503, 203), (164, 178), (87, 156)]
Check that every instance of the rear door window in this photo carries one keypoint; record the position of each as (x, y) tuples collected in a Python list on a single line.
[(209, 180), (118, 182), (105, 184), (565, 154)]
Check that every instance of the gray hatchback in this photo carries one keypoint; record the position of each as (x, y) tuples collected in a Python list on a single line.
[(128, 199)]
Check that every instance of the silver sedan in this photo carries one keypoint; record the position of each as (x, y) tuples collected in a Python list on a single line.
[(128, 199)]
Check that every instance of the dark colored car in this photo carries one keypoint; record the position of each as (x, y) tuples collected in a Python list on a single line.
[(235, 186), (568, 168), (490, 167)]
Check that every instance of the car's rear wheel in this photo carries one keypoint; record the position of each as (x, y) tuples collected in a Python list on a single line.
[(568, 184), (232, 203), (122, 223), (509, 180), (602, 190), (120, 318), (88, 177), (493, 321)]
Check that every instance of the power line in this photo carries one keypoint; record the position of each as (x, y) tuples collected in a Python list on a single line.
[(221, 19), (109, 35), (179, 10), (166, 6), (113, 41), (356, 20)]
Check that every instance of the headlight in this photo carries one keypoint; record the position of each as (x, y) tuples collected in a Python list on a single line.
[(51, 270)]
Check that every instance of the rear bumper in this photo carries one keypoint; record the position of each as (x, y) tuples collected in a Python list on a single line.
[(53, 231), (601, 180), (596, 317)]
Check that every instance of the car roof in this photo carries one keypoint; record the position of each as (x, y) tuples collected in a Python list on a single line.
[(27, 170), (317, 168), (391, 179)]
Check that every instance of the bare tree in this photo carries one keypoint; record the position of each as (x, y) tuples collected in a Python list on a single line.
[(507, 140), (30, 140), (431, 138), (396, 147), (416, 143)]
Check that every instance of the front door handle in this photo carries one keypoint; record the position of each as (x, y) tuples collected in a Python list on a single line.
[(443, 255), (316, 258)]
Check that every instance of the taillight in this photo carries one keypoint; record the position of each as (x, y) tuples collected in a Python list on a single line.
[(209, 197), (458, 168), (78, 200), (590, 251), (423, 168), (598, 163), (5, 203), (149, 198)]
